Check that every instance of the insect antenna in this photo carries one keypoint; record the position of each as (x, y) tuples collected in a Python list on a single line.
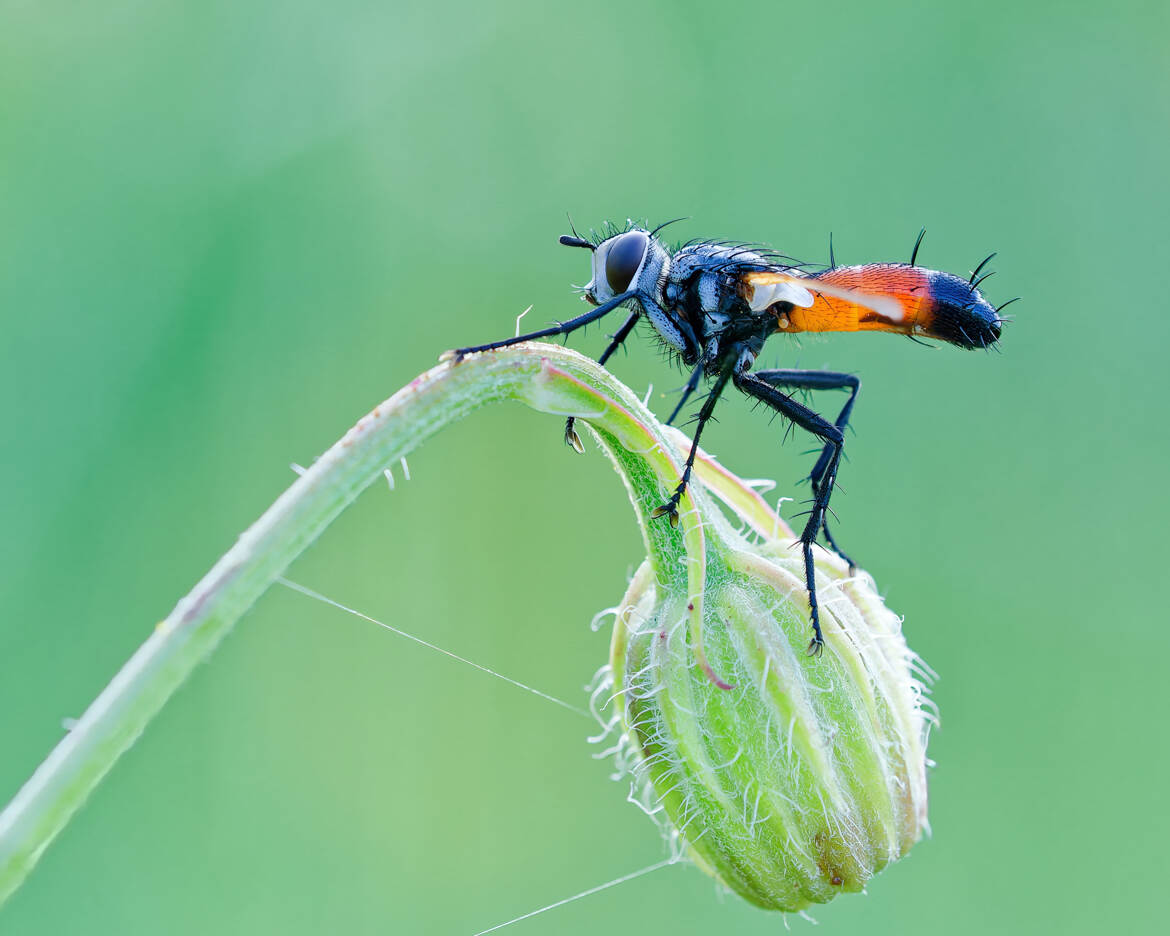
[(575, 240), (917, 244), (975, 272)]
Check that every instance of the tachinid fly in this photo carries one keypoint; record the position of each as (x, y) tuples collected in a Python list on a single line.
[(715, 303)]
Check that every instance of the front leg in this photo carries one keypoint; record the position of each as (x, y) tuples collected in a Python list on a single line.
[(820, 380), (670, 508), (766, 393), (561, 328), (571, 437)]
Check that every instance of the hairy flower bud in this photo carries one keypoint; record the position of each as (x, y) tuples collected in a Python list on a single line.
[(788, 777)]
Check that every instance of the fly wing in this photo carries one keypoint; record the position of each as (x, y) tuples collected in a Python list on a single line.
[(878, 296), (766, 289)]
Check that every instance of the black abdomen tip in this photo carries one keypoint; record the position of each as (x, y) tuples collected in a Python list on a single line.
[(961, 315)]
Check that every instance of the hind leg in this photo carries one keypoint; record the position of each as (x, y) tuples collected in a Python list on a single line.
[(767, 393), (820, 380)]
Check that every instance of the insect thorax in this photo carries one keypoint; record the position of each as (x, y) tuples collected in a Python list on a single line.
[(703, 288)]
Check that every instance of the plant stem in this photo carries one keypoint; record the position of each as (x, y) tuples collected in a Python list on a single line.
[(547, 378)]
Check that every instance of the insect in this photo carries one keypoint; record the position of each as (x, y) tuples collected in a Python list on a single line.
[(714, 304)]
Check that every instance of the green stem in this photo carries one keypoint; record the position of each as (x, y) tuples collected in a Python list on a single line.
[(547, 378)]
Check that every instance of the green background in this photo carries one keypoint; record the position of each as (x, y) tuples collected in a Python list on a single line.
[(227, 230)]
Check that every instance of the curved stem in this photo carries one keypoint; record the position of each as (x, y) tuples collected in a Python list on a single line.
[(548, 378)]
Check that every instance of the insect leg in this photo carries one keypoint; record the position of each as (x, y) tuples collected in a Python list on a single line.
[(561, 328), (571, 437), (670, 508), (687, 390), (766, 393), (820, 380)]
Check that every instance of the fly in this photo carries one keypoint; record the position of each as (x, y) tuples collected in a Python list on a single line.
[(715, 303)]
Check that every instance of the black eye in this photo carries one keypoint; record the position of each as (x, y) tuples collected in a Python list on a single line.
[(624, 258)]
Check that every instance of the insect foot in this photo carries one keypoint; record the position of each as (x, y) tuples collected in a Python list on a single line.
[(669, 509), (572, 439), (789, 771)]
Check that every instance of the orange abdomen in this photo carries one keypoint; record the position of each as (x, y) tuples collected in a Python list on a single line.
[(910, 312), (896, 297)]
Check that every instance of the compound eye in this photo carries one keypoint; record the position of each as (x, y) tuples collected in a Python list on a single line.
[(624, 258)]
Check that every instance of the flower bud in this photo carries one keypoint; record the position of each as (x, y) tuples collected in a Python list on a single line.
[(788, 777)]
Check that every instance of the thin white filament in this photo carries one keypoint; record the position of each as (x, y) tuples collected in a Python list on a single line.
[(585, 893), (520, 316), (430, 646)]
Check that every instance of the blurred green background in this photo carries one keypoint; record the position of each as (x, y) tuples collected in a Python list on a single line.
[(227, 230)]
